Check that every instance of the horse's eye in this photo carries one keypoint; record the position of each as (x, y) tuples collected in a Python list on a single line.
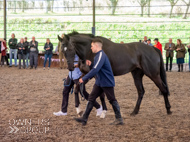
[(65, 49)]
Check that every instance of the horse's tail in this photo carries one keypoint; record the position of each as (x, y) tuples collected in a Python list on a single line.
[(162, 71)]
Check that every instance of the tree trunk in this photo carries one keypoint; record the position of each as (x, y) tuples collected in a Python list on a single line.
[(142, 11), (149, 8), (23, 4), (187, 9), (171, 10), (114, 4), (52, 5), (15, 7)]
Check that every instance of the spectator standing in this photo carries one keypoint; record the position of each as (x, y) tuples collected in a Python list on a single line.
[(189, 55), (13, 49), (145, 40), (22, 50), (3, 52), (1, 48), (48, 47), (26, 44), (149, 42), (61, 56), (180, 49), (169, 47), (158, 44), (33, 53)]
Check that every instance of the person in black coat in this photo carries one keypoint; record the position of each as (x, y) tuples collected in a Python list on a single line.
[(189, 55), (48, 47), (22, 49), (26, 43)]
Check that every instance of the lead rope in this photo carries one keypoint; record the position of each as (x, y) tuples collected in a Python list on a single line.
[(67, 85)]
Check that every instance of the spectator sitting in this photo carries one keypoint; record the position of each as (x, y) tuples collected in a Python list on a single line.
[(22, 51), (48, 47), (149, 42), (158, 44)]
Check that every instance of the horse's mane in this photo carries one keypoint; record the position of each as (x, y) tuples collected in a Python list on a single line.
[(77, 33)]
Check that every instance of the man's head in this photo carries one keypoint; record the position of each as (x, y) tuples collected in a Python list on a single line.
[(156, 40), (170, 40), (33, 38), (13, 35), (145, 38), (149, 41), (25, 39), (96, 45), (48, 40), (22, 40)]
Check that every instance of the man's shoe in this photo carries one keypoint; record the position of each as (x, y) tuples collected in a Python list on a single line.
[(60, 113), (81, 120), (10, 66), (99, 111), (31, 67), (118, 121)]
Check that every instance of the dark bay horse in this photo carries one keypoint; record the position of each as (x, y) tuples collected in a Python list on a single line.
[(138, 58)]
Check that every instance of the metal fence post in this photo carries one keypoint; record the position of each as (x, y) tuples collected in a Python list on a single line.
[(5, 19)]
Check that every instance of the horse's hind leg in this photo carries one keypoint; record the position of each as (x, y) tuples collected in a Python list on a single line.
[(158, 81), (137, 76), (102, 99)]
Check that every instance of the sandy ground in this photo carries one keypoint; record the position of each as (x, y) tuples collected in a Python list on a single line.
[(31, 97)]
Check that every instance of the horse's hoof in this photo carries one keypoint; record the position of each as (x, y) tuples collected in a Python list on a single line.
[(169, 112), (80, 114), (134, 113)]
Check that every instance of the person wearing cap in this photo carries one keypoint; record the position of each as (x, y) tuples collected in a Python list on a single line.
[(158, 44), (149, 42), (169, 47)]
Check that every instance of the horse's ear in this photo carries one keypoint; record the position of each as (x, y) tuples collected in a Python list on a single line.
[(66, 36), (59, 38)]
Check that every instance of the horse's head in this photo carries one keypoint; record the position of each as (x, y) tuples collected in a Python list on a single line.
[(68, 50)]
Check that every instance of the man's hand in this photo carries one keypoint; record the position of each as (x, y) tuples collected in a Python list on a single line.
[(88, 62), (20, 48), (80, 80), (76, 66), (23, 48)]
